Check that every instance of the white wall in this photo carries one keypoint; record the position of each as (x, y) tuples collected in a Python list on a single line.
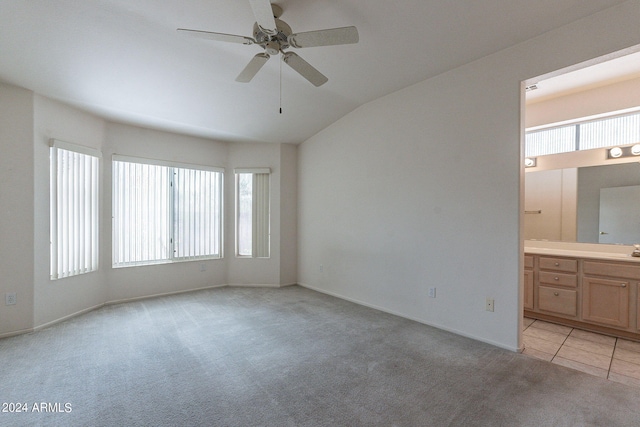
[(254, 271), (133, 282), (280, 268), (613, 97), (288, 214), (55, 299), (27, 122), (422, 188), (550, 205), (16, 208)]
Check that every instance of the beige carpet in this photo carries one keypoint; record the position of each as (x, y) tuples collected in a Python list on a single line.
[(285, 357)]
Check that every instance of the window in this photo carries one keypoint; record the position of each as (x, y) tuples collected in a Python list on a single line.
[(165, 212), (600, 133), (252, 213), (74, 196)]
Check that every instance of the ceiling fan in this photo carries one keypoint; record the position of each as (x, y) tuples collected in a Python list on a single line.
[(274, 36)]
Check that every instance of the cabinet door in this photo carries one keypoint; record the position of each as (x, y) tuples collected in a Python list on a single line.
[(606, 301), (528, 289)]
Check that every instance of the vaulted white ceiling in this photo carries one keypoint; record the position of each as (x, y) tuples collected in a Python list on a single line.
[(124, 60)]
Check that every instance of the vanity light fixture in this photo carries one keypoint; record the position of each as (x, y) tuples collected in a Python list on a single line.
[(628, 151), (530, 162), (615, 152)]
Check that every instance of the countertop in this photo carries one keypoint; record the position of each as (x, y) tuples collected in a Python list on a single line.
[(609, 256)]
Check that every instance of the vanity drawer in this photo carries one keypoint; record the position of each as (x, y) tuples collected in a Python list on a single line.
[(559, 264), (560, 301), (626, 270), (528, 261), (560, 279)]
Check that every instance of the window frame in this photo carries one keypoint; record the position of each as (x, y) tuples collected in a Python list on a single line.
[(260, 218), (579, 126), (89, 260), (172, 186)]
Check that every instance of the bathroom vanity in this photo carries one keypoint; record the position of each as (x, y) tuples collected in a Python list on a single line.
[(583, 286)]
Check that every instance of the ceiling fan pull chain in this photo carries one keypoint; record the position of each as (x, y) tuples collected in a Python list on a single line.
[(280, 86)]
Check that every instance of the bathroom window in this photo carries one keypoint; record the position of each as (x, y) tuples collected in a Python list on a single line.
[(585, 135)]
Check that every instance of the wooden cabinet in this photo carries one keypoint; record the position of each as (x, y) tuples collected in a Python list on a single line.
[(554, 276), (638, 310), (606, 290), (528, 289), (593, 294), (606, 301), (528, 282)]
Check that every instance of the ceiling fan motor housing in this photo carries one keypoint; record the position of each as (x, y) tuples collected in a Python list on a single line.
[(273, 44)]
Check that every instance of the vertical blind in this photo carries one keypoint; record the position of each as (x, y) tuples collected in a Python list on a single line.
[(74, 201), (141, 221), (252, 213), (244, 216), (197, 213), (611, 131), (261, 215), (164, 212), (600, 133)]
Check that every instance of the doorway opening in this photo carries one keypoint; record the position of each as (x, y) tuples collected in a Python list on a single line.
[(562, 214)]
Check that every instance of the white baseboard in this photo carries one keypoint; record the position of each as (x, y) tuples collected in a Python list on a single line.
[(164, 294), (68, 316), (95, 307), (395, 313), (14, 333), (259, 285), (125, 300)]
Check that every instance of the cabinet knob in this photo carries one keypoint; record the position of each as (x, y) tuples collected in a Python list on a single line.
[(556, 264), (624, 285), (556, 294), (556, 278)]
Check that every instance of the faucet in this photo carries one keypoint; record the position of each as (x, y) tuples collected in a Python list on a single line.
[(636, 251)]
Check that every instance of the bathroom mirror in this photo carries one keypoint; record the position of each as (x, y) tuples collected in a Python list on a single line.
[(595, 204)]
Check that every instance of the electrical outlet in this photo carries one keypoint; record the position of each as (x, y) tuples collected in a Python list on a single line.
[(490, 305), (432, 292), (321, 268), (203, 267), (10, 298)]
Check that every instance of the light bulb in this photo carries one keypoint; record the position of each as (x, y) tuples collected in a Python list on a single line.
[(615, 152)]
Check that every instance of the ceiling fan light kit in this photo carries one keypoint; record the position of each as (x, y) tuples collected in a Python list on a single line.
[(274, 36)]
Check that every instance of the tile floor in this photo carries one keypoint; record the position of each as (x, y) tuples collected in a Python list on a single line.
[(614, 358)]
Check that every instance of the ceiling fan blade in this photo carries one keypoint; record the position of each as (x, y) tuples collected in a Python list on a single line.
[(331, 37), (253, 67), (264, 16), (221, 37), (304, 68)]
